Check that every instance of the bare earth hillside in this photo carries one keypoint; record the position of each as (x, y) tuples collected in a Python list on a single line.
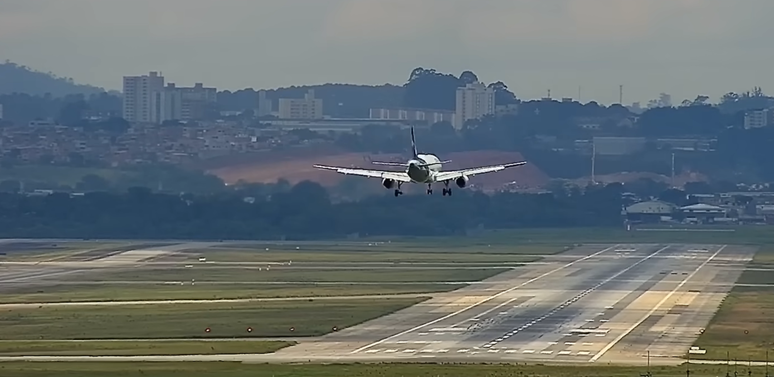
[(266, 168)]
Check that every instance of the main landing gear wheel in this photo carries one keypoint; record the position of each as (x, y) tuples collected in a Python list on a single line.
[(398, 193), (447, 191)]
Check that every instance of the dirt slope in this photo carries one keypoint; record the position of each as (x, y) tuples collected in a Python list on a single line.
[(267, 168)]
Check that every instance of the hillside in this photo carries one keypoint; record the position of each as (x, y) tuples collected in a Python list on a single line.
[(16, 78), (293, 166)]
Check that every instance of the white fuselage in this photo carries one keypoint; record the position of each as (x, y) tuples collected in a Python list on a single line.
[(423, 168)]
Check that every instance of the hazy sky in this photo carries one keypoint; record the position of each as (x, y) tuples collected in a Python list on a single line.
[(683, 47)]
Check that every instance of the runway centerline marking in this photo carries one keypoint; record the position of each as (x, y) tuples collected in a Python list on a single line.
[(653, 310), (490, 298), (581, 295)]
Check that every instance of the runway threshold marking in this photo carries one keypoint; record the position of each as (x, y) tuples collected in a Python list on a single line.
[(583, 294), (653, 310), (490, 298)]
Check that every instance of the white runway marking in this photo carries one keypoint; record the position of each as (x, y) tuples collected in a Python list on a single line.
[(653, 310), (490, 298)]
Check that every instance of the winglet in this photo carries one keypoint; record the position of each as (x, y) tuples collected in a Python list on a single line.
[(413, 143)]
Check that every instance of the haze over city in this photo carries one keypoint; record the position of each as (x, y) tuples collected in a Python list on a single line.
[(682, 47)]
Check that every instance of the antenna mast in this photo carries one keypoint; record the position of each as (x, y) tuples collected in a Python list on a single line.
[(620, 94)]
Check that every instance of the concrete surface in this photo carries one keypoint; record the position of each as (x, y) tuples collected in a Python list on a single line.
[(596, 303)]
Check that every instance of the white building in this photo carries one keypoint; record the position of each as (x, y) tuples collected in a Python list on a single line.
[(264, 107), (171, 104), (473, 102), (141, 100), (1, 111), (757, 118), (304, 108), (430, 116)]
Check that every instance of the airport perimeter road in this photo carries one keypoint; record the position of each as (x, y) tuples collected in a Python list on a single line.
[(594, 308)]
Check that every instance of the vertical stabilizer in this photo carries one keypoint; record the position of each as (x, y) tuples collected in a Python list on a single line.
[(413, 143)]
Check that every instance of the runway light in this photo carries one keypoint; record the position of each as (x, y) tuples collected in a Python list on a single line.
[(207, 330), (249, 329), (292, 329), (335, 328), (746, 332)]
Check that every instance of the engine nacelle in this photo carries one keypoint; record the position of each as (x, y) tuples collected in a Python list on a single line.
[(462, 181), (388, 183)]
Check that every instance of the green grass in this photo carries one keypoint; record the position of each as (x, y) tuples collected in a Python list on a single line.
[(185, 321), (137, 348), (203, 291), (743, 327), (204, 273), (224, 369)]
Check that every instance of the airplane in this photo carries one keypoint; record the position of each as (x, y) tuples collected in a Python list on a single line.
[(421, 168)]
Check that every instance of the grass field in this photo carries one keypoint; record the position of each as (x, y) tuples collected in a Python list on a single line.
[(185, 321), (743, 327), (204, 291), (137, 348), (223, 369), (289, 274)]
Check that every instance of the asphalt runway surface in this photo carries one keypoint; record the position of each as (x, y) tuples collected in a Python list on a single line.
[(610, 304), (595, 303)]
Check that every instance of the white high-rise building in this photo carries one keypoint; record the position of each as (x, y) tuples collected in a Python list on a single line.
[(306, 108), (473, 102), (142, 98)]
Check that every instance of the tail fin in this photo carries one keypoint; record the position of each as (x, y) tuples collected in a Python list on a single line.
[(413, 143)]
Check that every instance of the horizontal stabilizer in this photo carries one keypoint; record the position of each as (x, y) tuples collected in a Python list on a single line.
[(388, 163)]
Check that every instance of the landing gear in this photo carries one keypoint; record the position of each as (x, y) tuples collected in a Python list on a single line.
[(447, 189), (429, 189), (398, 192)]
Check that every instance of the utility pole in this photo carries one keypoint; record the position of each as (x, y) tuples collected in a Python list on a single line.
[(728, 361), (673, 170), (767, 362), (593, 161)]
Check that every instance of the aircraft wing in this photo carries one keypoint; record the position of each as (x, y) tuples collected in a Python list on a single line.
[(394, 175), (454, 174)]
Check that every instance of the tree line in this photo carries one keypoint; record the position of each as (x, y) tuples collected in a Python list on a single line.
[(302, 211)]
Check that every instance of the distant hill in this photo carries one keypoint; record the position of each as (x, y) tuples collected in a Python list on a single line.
[(16, 78)]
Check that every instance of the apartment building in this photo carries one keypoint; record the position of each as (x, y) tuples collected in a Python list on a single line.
[(308, 107), (474, 101)]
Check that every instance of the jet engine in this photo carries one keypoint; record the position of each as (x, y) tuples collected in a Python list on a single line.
[(388, 183), (462, 181)]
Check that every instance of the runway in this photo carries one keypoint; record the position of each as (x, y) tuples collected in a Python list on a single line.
[(595, 303), (652, 298)]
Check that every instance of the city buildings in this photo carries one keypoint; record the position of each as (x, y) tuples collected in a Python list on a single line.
[(147, 100), (430, 116), (758, 118), (474, 101), (142, 102), (308, 107)]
